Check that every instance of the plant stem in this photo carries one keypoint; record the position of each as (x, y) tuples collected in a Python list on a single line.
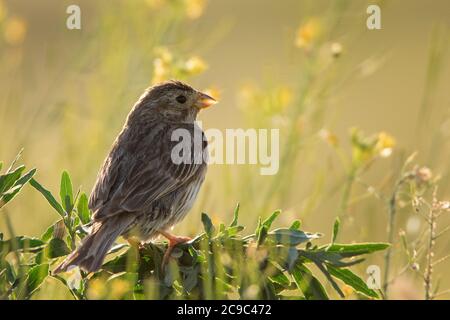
[(390, 231), (392, 212), (429, 268), (347, 191)]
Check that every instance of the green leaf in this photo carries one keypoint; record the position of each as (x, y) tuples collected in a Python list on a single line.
[(207, 224), (268, 222), (22, 244), (1, 165), (329, 278), (235, 216), (66, 192), (47, 195), (11, 275), (290, 237), (34, 279), (83, 209), (18, 185), (56, 248), (118, 264), (7, 180), (321, 255), (350, 250), (76, 293), (56, 230), (291, 258), (190, 277), (351, 279), (258, 227), (336, 226), (263, 228), (281, 279), (311, 287), (13, 163), (197, 255), (48, 234), (233, 231), (296, 225)]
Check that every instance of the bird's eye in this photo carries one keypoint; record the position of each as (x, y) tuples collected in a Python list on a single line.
[(181, 99)]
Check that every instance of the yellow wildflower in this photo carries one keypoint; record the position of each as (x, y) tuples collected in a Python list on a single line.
[(119, 288), (284, 97), (159, 70), (195, 65), (385, 144), (347, 291), (308, 33), (162, 64), (329, 137), (97, 289), (194, 8), (15, 30)]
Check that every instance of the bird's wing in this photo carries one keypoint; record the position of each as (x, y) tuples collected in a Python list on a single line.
[(144, 176), (108, 179)]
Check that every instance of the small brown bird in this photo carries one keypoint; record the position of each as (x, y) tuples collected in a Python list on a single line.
[(140, 190)]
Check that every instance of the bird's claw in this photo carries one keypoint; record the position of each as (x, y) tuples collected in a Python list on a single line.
[(173, 242)]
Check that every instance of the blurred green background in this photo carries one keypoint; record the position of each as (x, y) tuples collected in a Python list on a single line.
[(310, 68)]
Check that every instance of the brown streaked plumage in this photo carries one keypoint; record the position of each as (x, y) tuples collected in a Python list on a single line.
[(140, 192)]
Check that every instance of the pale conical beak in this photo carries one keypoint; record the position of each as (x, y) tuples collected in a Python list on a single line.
[(204, 101)]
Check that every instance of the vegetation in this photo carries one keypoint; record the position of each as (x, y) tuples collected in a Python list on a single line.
[(219, 263), (364, 140)]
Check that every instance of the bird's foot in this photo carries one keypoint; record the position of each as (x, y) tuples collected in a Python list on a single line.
[(173, 242)]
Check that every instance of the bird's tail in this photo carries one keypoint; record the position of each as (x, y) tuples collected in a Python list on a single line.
[(90, 254)]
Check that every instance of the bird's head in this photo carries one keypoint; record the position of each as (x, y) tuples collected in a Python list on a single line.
[(173, 101)]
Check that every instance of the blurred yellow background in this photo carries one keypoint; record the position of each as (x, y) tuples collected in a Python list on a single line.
[(311, 68)]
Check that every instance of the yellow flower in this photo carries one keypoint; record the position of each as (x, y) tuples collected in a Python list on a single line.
[(347, 290), (119, 288), (159, 71), (97, 289), (195, 65), (162, 64), (385, 144), (194, 8), (15, 30), (329, 137), (164, 53), (308, 33), (284, 97)]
